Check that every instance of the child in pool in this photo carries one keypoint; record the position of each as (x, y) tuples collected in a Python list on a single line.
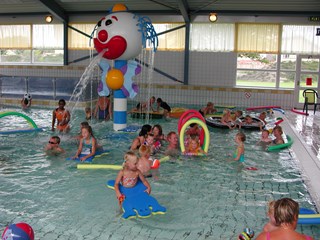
[(82, 124), (53, 146), (62, 116), (226, 119), (271, 225), (194, 145), (88, 113), (265, 136), (129, 175), (239, 154), (145, 161), (154, 145), (87, 145), (157, 132), (209, 109), (277, 133), (263, 116)]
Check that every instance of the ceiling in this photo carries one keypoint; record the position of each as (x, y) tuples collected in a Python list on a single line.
[(187, 8)]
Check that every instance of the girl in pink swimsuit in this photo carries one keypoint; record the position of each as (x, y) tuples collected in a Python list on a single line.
[(286, 213), (129, 175)]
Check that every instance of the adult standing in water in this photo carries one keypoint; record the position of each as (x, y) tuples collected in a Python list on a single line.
[(62, 116), (103, 108), (286, 213)]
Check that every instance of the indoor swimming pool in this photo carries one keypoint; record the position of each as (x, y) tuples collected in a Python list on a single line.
[(209, 197)]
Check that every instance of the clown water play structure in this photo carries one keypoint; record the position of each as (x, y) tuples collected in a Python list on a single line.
[(120, 36)]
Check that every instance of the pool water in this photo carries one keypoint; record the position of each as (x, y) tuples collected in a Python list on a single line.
[(206, 197)]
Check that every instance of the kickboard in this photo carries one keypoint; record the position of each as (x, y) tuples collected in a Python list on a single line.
[(137, 202)]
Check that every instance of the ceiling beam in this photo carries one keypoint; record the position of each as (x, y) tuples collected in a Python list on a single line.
[(184, 10), (56, 10)]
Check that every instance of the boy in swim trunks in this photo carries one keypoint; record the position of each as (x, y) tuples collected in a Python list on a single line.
[(62, 116)]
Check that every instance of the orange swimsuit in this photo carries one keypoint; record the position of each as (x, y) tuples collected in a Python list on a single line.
[(61, 115)]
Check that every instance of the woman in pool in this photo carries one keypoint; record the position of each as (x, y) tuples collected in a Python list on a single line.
[(103, 108), (277, 133), (62, 116), (157, 132), (87, 145), (286, 213), (138, 141), (129, 176), (166, 108)]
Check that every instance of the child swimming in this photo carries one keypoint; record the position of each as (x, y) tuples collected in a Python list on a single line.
[(194, 146), (53, 146)]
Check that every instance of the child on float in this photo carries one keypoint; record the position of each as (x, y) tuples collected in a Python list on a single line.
[(240, 138), (145, 161), (208, 109), (141, 138), (87, 145), (143, 106), (227, 120), (194, 146), (263, 116), (82, 124), (53, 146), (129, 176), (277, 133), (271, 225)]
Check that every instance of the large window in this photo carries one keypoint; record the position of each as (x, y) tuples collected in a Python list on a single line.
[(31, 44), (256, 70), (210, 37), (173, 40), (76, 40)]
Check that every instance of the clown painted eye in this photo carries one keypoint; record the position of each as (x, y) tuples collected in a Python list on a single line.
[(108, 22), (99, 23)]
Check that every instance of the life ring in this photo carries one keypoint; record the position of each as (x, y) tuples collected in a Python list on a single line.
[(192, 113), (206, 140)]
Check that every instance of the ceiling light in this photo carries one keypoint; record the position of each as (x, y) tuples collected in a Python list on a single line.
[(213, 17), (49, 19)]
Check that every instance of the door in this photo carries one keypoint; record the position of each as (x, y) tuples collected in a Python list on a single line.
[(307, 76)]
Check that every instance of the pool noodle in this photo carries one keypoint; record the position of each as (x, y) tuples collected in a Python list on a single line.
[(28, 119), (111, 166), (299, 112)]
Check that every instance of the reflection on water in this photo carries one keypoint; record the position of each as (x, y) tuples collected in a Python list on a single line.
[(206, 197)]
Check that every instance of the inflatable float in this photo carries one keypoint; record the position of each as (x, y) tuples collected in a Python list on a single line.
[(262, 107), (299, 112), (255, 125), (90, 159), (34, 127), (177, 112), (137, 203), (288, 142), (143, 115), (216, 122), (308, 216)]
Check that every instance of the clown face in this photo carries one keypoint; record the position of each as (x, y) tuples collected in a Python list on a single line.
[(118, 34)]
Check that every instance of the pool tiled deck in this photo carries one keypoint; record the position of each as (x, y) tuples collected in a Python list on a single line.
[(305, 132)]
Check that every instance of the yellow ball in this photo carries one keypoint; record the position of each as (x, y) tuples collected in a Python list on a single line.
[(114, 79)]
